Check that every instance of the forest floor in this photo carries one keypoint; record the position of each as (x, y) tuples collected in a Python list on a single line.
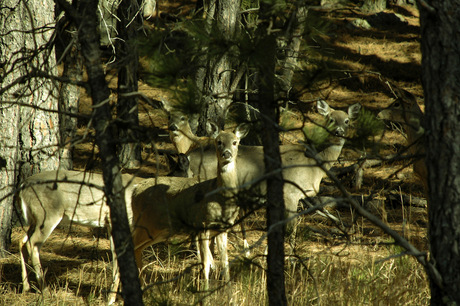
[(360, 266)]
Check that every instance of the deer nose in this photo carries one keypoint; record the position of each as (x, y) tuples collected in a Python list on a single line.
[(340, 132), (227, 154)]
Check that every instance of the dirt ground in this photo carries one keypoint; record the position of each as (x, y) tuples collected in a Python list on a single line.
[(360, 64)]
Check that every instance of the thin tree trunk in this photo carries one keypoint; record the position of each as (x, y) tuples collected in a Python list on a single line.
[(127, 63), (441, 75), (272, 159), (294, 33), (86, 20), (68, 53)]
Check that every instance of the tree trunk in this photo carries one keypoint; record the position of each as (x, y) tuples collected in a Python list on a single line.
[(9, 117), (30, 132), (275, 202), (86, 20), (68, 53), (108, 22), (127, 65), (293, 37), (441, 75), (215, 81)]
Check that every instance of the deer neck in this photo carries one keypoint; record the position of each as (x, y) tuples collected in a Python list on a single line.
[(182, 142), (227, 177), (415, 131), (330, 154), (200, 143)]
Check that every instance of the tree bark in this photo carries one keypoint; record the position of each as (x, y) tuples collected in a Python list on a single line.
[(68, 53), (30, 127), (86, 20), (441, 74), (9, 116), (275, 201), (215, 81), (293, 37), (127, 65)]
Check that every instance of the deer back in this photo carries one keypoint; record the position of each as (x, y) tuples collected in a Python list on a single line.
[(76, 196)]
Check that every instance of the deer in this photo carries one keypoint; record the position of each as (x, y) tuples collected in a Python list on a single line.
[(301, 171), (407, 112), (182, 206), (64, 197), (181, 134)]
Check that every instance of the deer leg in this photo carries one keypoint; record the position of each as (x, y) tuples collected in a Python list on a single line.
[(141, 240), (246, 250), (195, 245), (206, 256), (291, 226), (33, 241), (23, 248), (222, 246), (115, 273)]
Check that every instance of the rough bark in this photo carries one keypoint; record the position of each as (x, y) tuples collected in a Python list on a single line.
[(30, 131), (293, 38), (86, 20), (127, 63), (68, 53), (9, 118), (39, 123), (216, 79), (441, 78), (272, 160)]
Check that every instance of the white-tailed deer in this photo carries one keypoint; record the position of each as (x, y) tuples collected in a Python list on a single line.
[(406, 111), (301, 172), (63, 197), (162, 210), (180, 131)]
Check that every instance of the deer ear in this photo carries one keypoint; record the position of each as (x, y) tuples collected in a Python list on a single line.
[(353, 111), (242, 130), (166, 105), (323, 108), (212, 129)]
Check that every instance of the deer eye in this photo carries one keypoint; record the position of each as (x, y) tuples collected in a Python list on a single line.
[(397, 104), (182, 118), (347, 121), (235, 142), (219, 142), (331, 121)]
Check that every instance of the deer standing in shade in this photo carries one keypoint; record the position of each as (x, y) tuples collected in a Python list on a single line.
[(162, 211)]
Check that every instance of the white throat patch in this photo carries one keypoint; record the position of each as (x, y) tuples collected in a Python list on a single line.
[(228, 167)]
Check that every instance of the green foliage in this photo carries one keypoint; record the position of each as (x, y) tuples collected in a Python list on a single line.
[(287, 122), (187, 98), (368, 124), (250, 14), (318, 134), (168, 56), (274, 8)]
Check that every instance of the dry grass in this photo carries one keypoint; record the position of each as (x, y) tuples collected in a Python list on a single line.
[(360, 266), (325, 268)]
